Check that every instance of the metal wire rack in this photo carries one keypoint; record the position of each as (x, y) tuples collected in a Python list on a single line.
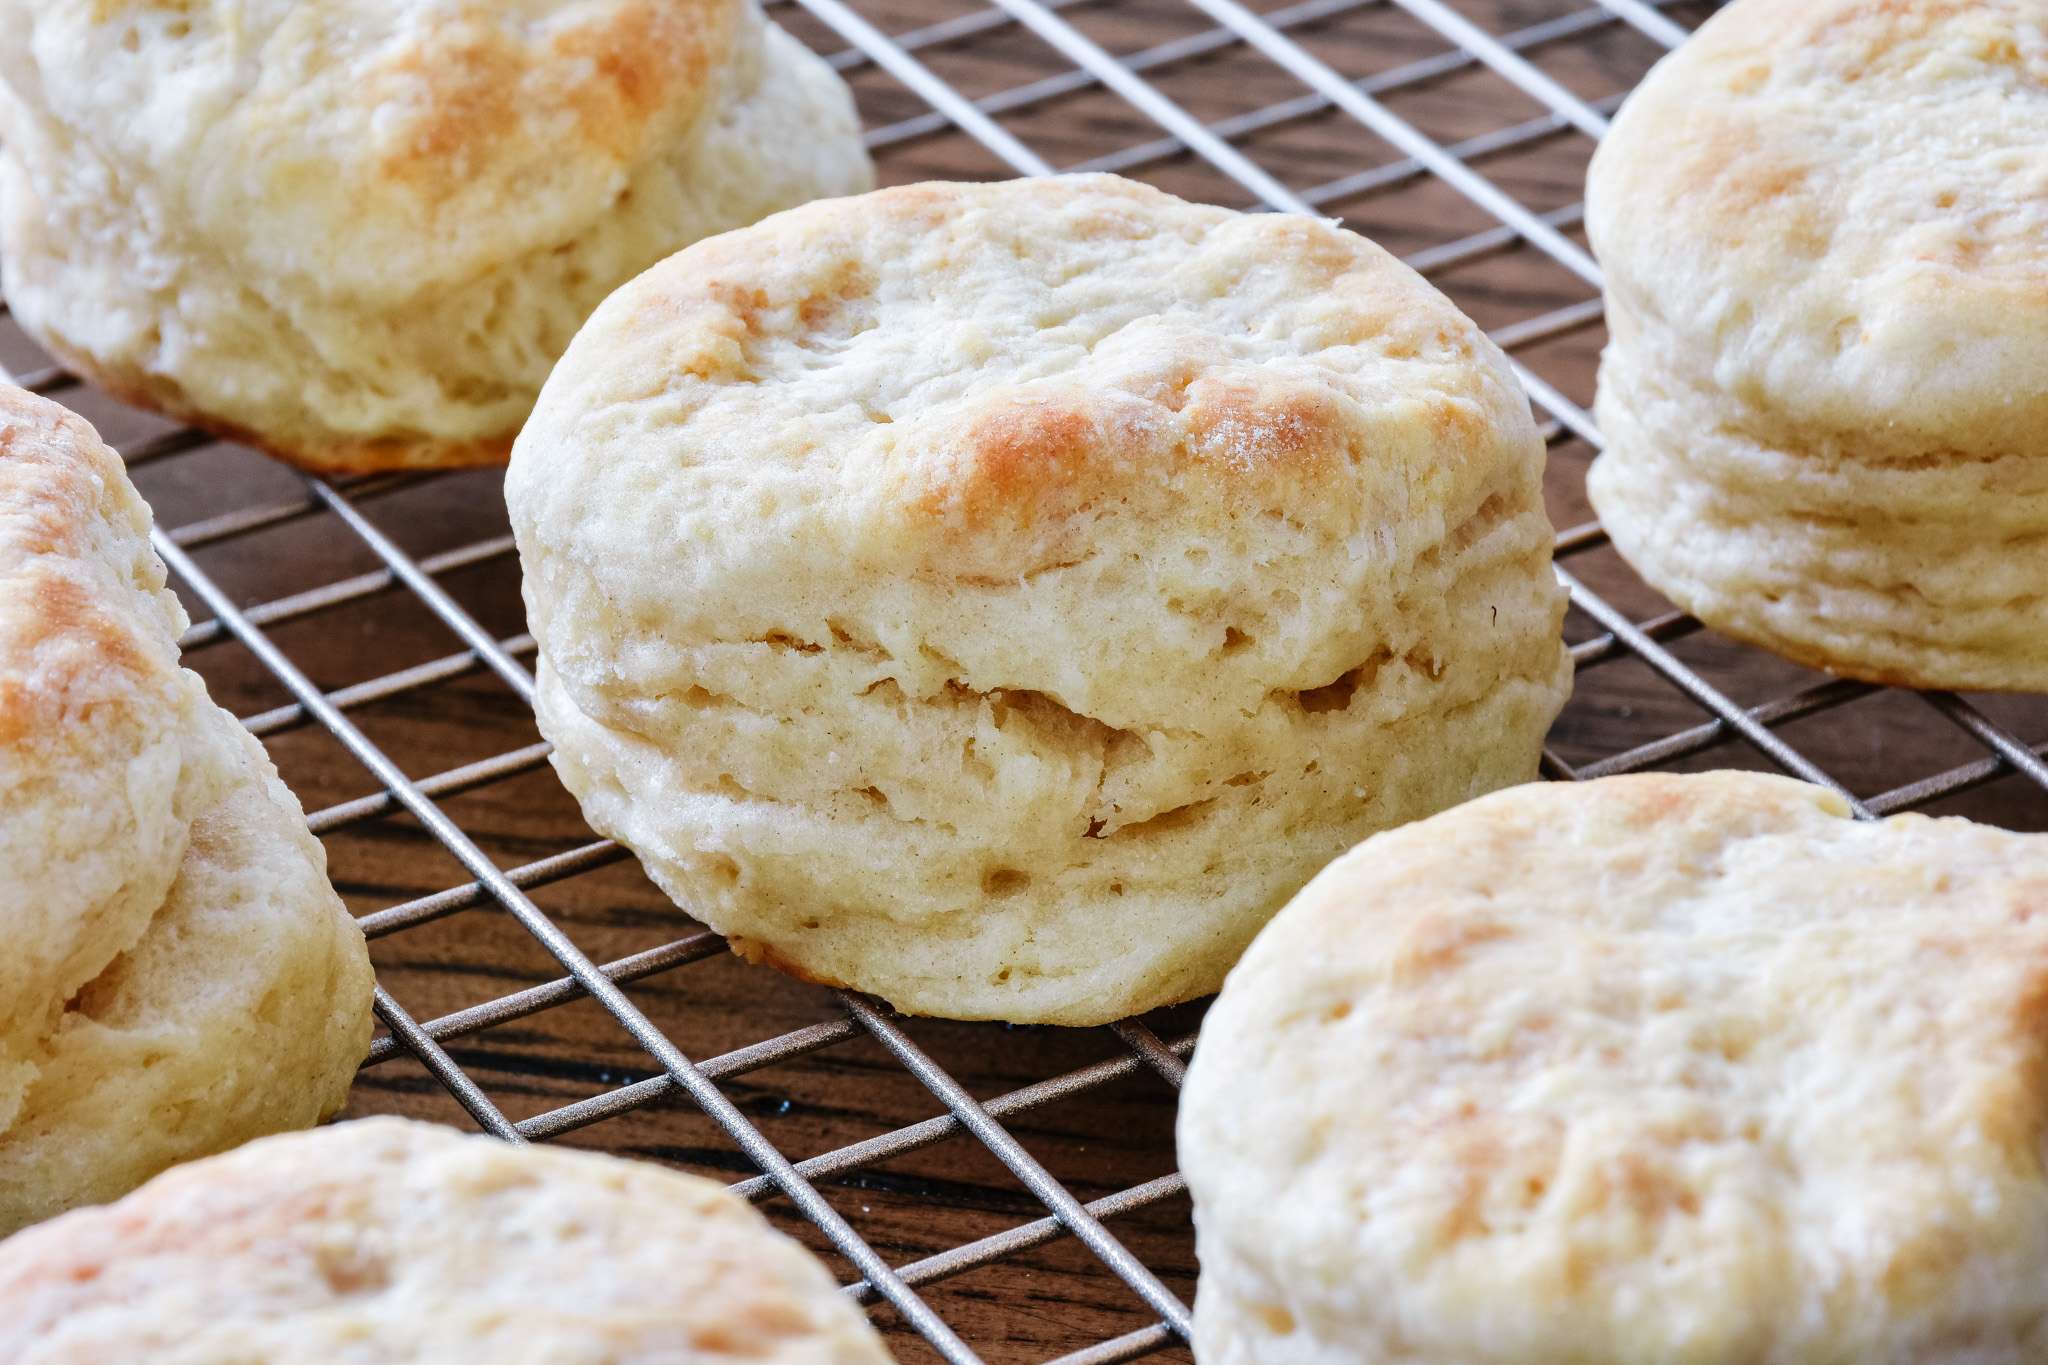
[(1440, 128)]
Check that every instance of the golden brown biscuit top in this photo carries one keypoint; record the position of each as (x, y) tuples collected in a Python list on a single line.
[(1839, 209), (78, 630), (995, 370), (1022, 415), (372, 142)]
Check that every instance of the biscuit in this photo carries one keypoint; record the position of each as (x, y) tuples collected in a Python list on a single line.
[(358, 235), (389, 1241), (180, 975), (1657, 1068), (1824, 226), (1001, 598)]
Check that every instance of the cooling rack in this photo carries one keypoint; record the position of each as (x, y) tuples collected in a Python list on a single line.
[(999, 1194)]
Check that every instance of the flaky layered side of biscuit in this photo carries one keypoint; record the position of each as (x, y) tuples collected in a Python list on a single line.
[(180, 975), (1919, 570), (242, 1009), (358, 236), (1653, 1068), (1825, 231), (1000, 598), (382, 1242)]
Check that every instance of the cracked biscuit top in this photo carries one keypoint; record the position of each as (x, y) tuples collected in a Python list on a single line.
[(1130, 417)]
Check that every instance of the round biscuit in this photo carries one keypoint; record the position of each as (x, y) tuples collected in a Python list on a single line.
[(180, 976), (92, 703), (1688, 1069), (357, 235), (388, 1242), (1000, 598), (1824, 227)]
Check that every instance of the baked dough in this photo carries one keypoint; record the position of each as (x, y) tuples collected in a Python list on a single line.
[(387, 1242), (1824, 226), (357, 233), (1001, 598), (179, 975), (1694, 1070)]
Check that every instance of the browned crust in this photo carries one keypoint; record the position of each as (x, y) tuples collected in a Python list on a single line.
[(1806, 656), (762, 953), (1024, 460), (615, 74), (388, 455), (63, 649), (1708, 152)]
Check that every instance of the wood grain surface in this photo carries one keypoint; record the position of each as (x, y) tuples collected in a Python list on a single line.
[(1112, 1136)]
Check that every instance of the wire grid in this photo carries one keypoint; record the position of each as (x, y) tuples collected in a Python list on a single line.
[(1674, 698)]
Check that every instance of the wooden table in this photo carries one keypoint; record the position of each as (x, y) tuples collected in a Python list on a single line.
[(1056, 1298)]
